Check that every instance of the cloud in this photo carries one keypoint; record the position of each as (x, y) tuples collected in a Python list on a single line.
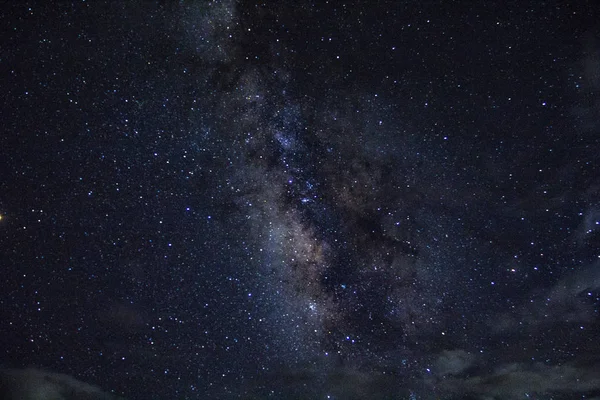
[(453, 362), (35, 384), (348, 382), (520, 380), (565, 302)]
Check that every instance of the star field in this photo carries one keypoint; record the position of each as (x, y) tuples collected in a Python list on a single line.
[(294, 200)]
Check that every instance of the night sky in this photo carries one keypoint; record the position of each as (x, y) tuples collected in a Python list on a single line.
[(303, 200)]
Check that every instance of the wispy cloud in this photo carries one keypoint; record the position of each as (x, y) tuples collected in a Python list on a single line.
[(37, 384), (524, 380), (565, 302)]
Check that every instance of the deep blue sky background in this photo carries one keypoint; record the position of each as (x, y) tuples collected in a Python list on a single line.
[(232, 199)]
